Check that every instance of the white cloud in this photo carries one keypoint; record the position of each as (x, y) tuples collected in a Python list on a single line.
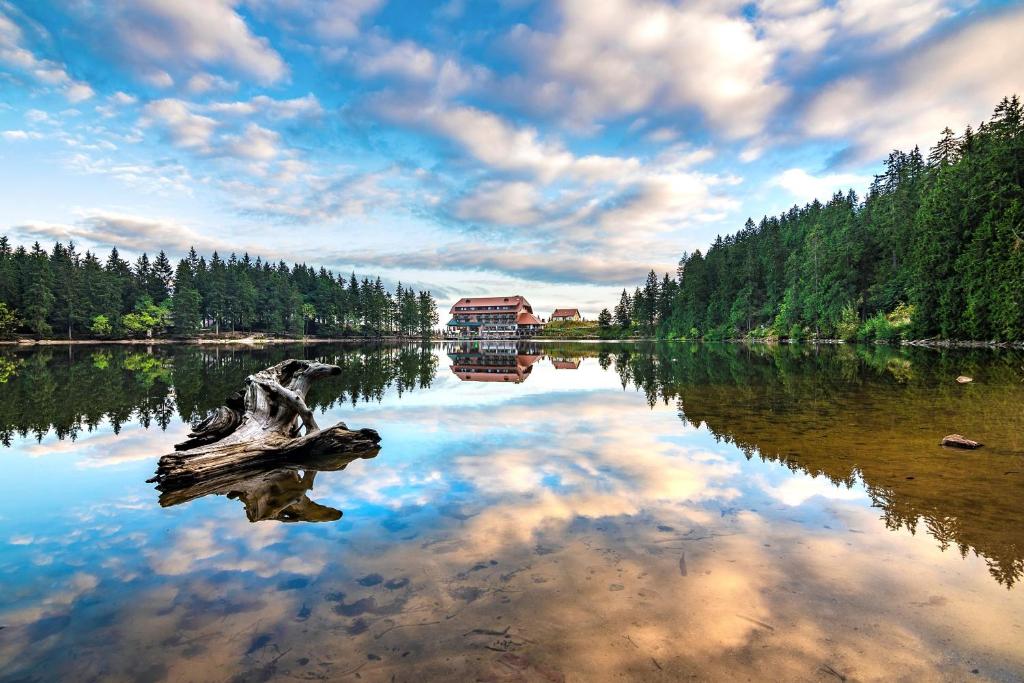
[(79, 92), (123, 98), (20, 135), (405, 58), (255, 142), (159, 178), (894, 23), (806, 187), (184, 128), (124, 231), (617, 58), (954, 82), (500, 145), (202, 83), (14, 54), (330, 20), (513, 203), (266, 106), (157, 78), (192, 34)]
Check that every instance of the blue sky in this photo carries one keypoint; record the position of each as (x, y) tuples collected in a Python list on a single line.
[(552, 149)]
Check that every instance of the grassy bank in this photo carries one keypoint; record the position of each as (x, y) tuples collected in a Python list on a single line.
[(585, 330)]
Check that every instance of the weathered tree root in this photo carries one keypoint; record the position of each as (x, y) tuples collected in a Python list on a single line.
[(262, 424)]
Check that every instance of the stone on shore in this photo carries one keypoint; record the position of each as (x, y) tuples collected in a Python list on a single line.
[(964, 379)]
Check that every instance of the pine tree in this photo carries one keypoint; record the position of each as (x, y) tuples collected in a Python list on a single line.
[(186, 304), (39, 296)]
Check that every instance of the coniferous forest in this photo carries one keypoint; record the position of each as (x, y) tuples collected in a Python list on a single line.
[(62, 293), (934, 250)]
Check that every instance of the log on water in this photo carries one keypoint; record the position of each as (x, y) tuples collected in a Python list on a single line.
[(263, 424)]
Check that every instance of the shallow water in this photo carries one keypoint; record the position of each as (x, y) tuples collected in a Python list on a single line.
[(577, 512)]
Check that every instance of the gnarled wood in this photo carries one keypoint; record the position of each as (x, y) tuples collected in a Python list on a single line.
[(262, 424)]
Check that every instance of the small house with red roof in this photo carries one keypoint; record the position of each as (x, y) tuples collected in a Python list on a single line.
[(492, 317), (564, 314)]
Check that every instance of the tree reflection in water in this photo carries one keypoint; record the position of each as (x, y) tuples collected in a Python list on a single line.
[(869, 414)]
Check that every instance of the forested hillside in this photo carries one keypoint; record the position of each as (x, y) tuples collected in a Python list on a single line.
[(62, 293), (935, 249)]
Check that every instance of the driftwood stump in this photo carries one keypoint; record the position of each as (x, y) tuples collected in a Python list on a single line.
[(262, 424)]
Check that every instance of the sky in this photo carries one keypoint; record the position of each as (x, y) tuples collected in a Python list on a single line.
[(557, 150)]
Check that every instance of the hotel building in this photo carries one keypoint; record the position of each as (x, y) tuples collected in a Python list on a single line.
[(493, 317)]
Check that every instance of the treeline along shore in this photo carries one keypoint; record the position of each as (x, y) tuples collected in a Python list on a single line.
[(933, 252), (62, 294)]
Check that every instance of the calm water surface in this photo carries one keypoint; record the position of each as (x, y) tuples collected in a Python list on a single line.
[(542, 513)]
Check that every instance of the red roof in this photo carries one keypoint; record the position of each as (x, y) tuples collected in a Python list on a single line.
[(481, 301), (565, 312), (566, 364), (525, 318)]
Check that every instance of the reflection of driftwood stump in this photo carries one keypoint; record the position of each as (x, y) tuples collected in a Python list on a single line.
[(264, 422), (269, 490)]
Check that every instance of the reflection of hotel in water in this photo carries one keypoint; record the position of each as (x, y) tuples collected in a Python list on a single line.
[(496, 361)]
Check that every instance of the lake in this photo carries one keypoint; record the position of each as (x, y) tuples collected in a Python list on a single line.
[(546, 512)]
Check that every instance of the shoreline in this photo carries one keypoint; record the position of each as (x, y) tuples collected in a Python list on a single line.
[(268, 341), (203, 341)]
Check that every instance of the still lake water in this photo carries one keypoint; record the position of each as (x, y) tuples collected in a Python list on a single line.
[(575, 512)]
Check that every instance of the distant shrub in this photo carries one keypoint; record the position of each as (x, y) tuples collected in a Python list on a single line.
[(849, 323), (887, 327)]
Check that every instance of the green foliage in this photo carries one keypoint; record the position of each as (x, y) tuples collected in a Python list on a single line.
[(101, 326), (604, 319), (147, 318), (934, 249), (889, 327), (8, 321), (8, 369), (63, 293), (849, 322)]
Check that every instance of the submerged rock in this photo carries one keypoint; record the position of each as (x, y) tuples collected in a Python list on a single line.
[(957, 441), (964, 379)]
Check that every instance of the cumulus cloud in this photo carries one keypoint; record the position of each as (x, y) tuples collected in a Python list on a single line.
[(443, 77), (544, 262), (202, 83), (500, 145), (954, 81), (190, 34), (808, 26), (20, 135), (330, 20), (806, 187), (183, 127), (255, 142), (14, 54), (291, 192), (160, 178), (273, 109), (512, 203), (124, 231), (618, 58), (227, 129)]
